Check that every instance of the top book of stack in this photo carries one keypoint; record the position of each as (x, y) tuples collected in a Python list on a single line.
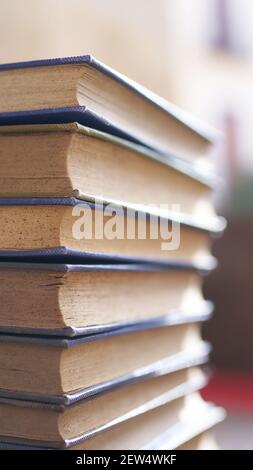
[(84, 90)]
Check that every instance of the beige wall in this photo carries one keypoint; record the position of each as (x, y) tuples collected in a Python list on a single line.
[(129, 35)]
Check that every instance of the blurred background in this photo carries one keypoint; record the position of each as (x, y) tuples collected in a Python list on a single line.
[(199, 55)]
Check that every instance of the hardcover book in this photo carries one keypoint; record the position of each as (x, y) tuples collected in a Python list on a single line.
[(166, 427), (73, 300), (93, 414), (54, 365), (83, 89), (70, 226), (67, 160)]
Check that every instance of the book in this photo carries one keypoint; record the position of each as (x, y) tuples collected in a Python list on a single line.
[(72, 300), (167, 427), (168, 365), (54, 366), (85, 90), (34, 225), (94, 414), (164, 428), (68, 160)]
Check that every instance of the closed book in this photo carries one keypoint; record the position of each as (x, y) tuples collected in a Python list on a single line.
[(85, 90), (166, 427), (73, 300), (73, 160), (62, 426), (55, 366), (70, 226)]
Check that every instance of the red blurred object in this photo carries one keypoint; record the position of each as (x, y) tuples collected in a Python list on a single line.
[(233, 390)]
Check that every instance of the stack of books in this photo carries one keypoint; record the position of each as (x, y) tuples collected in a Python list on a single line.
[(106, 223)]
